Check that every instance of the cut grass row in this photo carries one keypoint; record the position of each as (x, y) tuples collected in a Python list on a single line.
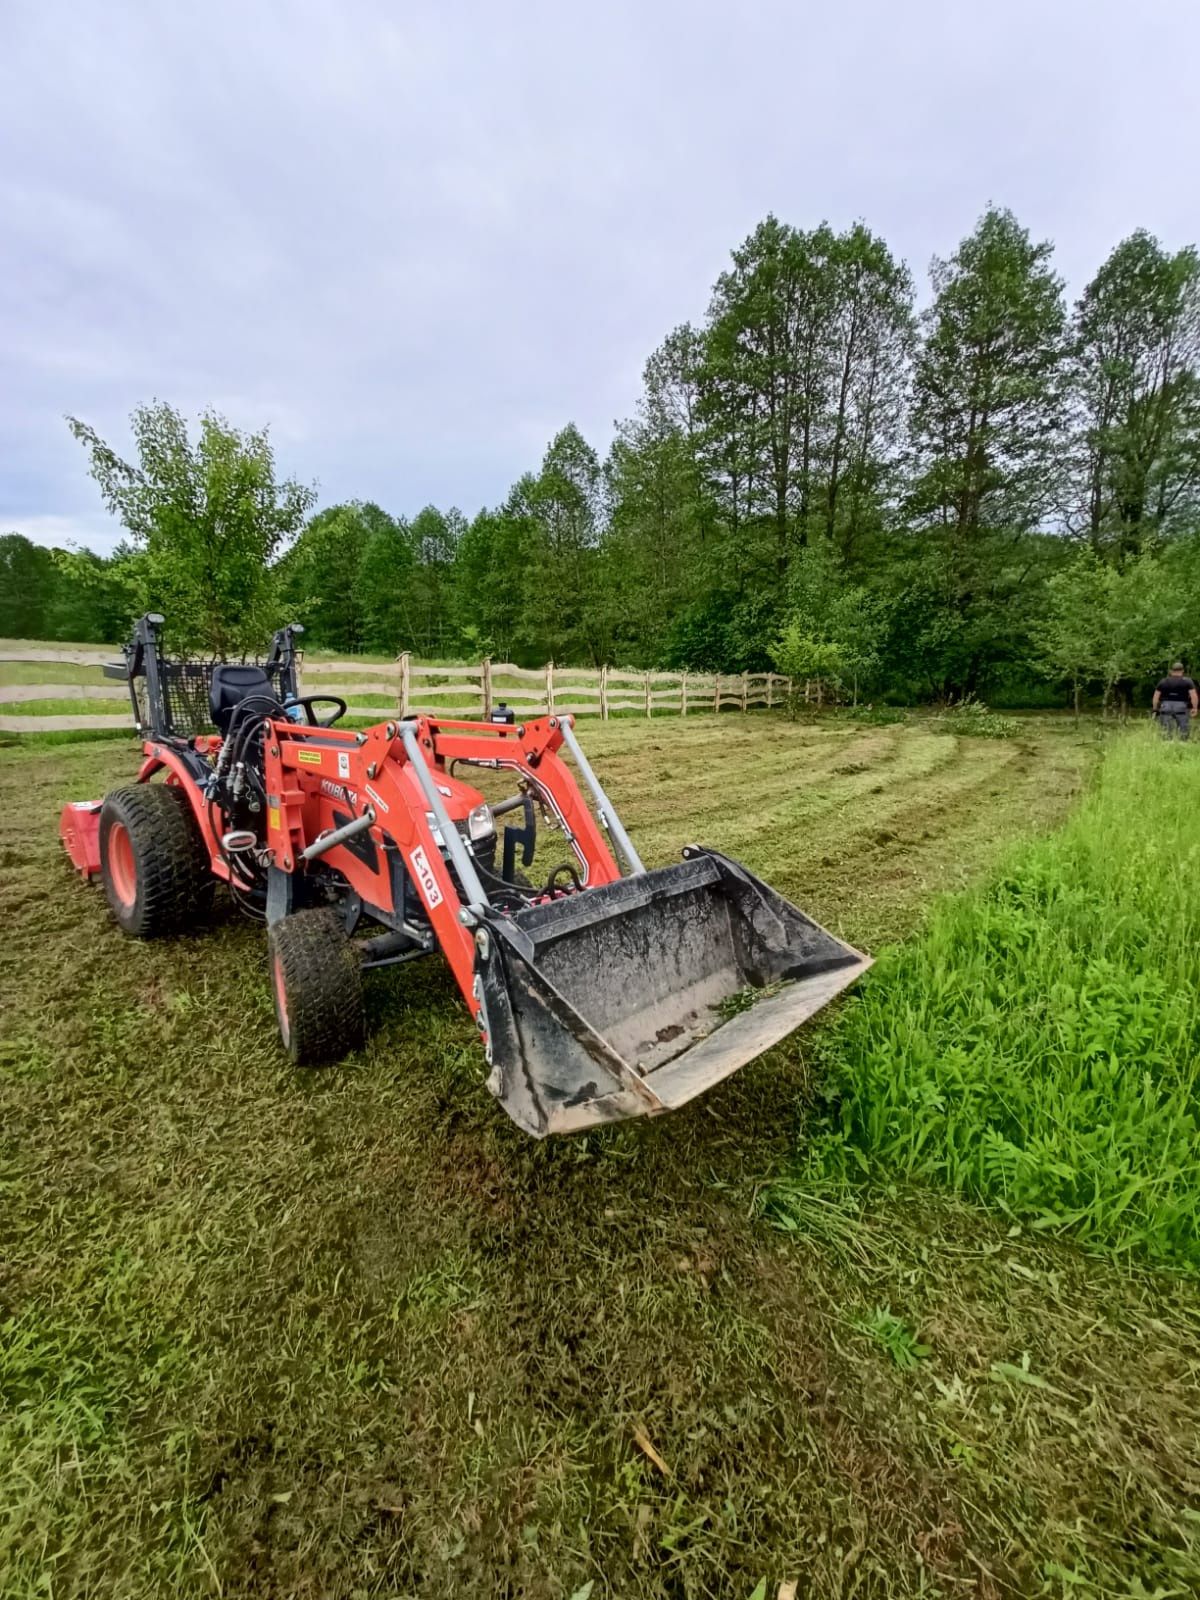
[(1039, 1045)]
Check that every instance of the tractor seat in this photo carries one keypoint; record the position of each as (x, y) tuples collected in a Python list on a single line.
[(231, 684)]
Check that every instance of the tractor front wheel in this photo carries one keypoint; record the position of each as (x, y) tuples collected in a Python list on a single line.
[(153, 862), (316, 976)]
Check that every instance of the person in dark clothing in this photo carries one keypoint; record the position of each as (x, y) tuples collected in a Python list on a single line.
[(1176, 701)]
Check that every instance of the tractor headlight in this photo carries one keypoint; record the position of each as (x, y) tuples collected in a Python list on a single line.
[(480, 824)]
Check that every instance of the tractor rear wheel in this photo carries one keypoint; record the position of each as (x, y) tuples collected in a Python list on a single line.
[(316, 975), (153, 862)]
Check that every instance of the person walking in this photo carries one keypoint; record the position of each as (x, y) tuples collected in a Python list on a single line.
[(1176, 701)]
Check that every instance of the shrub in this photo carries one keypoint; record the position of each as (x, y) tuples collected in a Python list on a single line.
[(970, 716)]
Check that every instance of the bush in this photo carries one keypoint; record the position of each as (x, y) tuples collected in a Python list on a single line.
[(973, 718)]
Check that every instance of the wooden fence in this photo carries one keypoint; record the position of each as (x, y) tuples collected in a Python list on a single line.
[(405, 688)]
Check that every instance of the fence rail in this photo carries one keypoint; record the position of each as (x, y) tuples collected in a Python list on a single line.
[(405, 688)]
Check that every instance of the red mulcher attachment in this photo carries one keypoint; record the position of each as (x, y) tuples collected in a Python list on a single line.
[(606, 992), (79, 830)]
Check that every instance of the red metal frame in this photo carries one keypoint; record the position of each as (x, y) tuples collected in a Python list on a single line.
[(319, 778), (314, 777)]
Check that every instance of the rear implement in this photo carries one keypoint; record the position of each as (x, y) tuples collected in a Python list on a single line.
[(606, 992)]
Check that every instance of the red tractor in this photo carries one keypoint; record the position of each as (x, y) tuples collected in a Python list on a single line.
[(606, 991)]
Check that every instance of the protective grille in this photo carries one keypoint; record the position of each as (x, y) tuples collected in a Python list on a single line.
[(186, 687)]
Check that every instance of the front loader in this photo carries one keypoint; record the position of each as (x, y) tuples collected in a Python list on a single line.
[(606, 991)]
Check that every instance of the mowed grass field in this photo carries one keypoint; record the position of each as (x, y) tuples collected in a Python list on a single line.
[(267, 1333)]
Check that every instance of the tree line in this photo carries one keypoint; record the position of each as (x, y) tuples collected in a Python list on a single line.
[(997, 495)]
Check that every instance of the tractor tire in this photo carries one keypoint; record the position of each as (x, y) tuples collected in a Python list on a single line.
[(316, 977), (153, 862)]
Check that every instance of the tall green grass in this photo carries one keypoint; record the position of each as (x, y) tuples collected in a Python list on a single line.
[(1037, 1045)]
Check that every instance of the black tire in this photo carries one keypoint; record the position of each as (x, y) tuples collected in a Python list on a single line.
[(316, 978), (155, 868)]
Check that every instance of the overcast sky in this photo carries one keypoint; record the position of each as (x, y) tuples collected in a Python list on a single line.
[(416, 239)]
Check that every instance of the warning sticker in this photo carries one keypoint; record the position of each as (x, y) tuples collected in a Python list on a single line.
[(426, 881), (273, 817), (309, 758), (343, 763)]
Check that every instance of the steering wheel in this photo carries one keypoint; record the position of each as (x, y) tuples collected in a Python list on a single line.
[(309, 700)]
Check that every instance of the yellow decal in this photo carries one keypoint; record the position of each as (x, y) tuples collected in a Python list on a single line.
[(310, 758), (273, 817)]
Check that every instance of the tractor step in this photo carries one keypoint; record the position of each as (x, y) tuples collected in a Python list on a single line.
[(632, 998)]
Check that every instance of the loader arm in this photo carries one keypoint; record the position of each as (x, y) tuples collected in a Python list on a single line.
[(319, 781)]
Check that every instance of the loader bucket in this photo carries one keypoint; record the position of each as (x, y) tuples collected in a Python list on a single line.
[(633, 997)]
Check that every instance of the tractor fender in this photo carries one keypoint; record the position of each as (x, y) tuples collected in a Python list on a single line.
[(159, 758)]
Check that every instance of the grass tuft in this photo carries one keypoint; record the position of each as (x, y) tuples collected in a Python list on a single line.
[(1037, 1046), (893, 1334)]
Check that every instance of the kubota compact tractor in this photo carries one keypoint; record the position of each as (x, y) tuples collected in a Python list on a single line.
[(607, 991)]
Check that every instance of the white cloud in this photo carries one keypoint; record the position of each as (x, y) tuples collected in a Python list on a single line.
[(418, 239)]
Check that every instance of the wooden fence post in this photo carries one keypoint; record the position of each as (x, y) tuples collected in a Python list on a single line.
[(770, 689), (745, 691), (716, 691), (683, 695), (485, 685), (646, 691), (405, 679), (549, 686), (604, 692)]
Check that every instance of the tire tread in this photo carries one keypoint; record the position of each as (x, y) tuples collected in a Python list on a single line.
[(322, 975), (175, 882)]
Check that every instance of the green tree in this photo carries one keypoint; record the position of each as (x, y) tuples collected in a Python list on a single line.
[(1110, 626), (1137, 390), (205, 522), (658, 549), (28, 583), (559, 513), (873, 339), (802, 395), (827, 608), (95, 599), (989, 385), (806, 659), (987, 434), (384, 583), (777, 424), (489, 587), (435, 537), (320, 575), (769, 375)]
